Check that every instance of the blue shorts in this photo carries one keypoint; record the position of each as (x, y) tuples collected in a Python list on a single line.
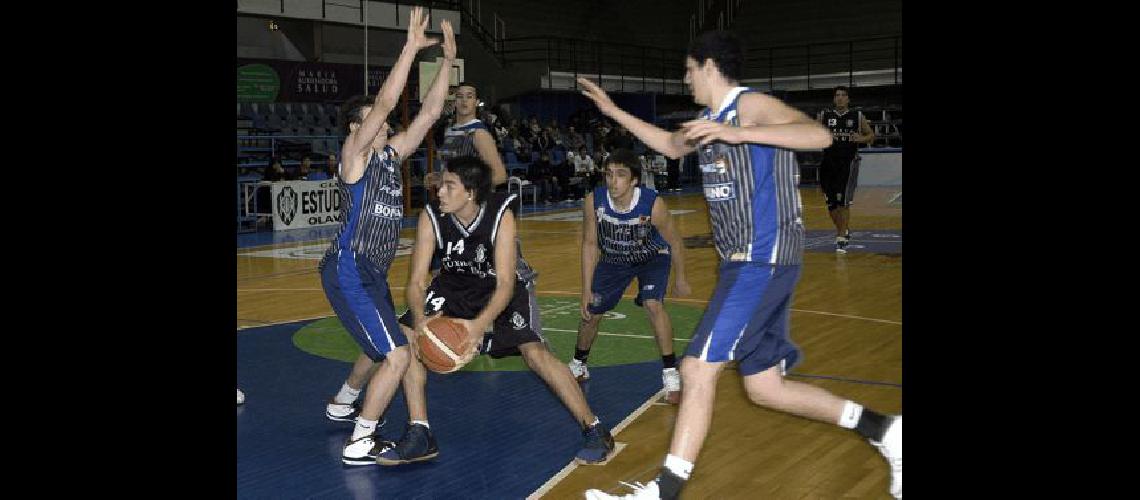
[(360, 297), (610, 280), (747, 318)]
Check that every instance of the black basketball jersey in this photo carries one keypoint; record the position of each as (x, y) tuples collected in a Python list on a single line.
[(843, 127), (467, 253)]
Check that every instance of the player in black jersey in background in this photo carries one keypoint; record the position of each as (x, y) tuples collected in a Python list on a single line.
[(839, 170), (483, 282)]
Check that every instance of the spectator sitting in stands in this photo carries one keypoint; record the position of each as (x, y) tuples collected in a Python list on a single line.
[(331, 166), (544, 142), (574, 141), (521, 145), (534, 127), (276, 172), (583, 163), (556, 135), (562, 174), (541, 174), (308, 174)]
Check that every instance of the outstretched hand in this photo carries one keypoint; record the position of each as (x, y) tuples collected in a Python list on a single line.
[(417, 29), (596, 94), (448, 40), (705, 131)]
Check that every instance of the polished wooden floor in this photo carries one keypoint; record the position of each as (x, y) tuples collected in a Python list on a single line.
[(847, 319)]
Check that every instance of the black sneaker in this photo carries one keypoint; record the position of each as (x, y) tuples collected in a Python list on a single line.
[(599, 444), (416, 445), (364, 451), (841, 244)]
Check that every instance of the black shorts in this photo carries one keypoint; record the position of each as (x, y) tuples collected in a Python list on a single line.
[(838, 176), (518, 324)]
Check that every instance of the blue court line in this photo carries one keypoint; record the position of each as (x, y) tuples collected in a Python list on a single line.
[(842, 379)]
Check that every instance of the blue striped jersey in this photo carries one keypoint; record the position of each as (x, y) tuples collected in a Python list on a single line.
[(459, 140), (627, 237), (753, 196), (372, 212)]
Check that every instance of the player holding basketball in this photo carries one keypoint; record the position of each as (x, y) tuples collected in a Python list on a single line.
[(484, 282), (626, 227), (744, 140), (354, 271), (839, 169)]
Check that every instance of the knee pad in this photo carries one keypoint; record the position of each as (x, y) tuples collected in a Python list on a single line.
[(832, 205)]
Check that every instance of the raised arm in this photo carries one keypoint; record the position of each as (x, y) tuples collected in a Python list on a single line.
[(763, 120), (671, 144), (664, 224), (358, 142), (405, 142), (485, 145), (590, 252)]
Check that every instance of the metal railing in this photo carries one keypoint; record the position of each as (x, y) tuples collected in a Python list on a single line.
[(825, 62)]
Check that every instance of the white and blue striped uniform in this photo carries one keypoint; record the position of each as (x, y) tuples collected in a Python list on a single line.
[(631, 247), (354, 270), (459, 140), (628, 237), (757, 223), (753, 196)]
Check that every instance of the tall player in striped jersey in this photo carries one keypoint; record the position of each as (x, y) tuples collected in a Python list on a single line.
[(484, 282), (354, 271), (744, 141), (839, 170), (626, 227)]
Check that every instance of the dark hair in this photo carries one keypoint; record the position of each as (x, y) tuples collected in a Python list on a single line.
[(474, 174), (843, 88), (352, 110), (626, 158), (724, 48), (468, 84)]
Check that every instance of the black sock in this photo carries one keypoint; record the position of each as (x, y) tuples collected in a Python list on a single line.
[(669, 360), (581, 354), (872, 425), (669, 484)]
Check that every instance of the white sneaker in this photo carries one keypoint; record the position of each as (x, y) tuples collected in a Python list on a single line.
[(365, 450), (891, 448), (640, 492), (578, 370), (241, 397), (342, 412), (671, 380)]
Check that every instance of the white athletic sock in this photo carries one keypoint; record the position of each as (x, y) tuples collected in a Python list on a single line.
[(363, 428), (850, 416), (421, 422), (679, 466), (346, 395)]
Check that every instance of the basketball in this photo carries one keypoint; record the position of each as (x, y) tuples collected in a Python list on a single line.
[(440, 345)]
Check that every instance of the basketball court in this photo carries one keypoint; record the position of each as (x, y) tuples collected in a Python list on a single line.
[(503, 434)]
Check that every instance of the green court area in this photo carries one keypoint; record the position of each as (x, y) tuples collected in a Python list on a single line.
[(625, 336)]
